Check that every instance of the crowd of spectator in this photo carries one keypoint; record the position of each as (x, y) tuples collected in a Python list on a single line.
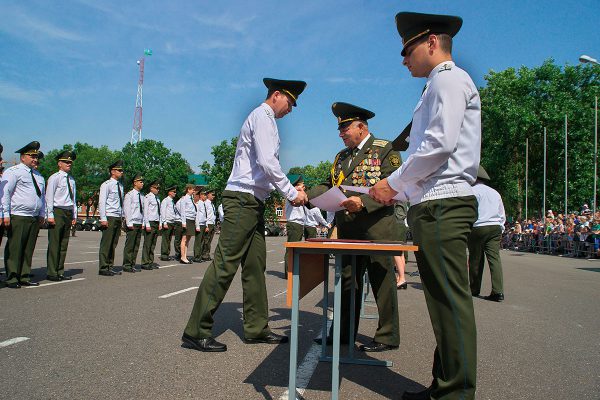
[(573, 235)]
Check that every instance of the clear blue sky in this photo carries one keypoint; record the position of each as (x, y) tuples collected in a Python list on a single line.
[(68, 69)]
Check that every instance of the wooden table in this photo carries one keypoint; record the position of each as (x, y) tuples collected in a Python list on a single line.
[(308, 264)]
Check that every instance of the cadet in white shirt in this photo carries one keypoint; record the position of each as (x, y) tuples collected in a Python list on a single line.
[(110, 208), (209, 230), (170, 220), (484, 240), (314, 218), (188, 210), (221, 213), (61, 212), (200, 225), (295, 219), (442, 163), (133, 210), (23, 213), (256, 172), (2, 183), (152, 225)]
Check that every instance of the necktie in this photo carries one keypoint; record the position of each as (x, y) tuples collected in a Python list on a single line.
[(194, 204), (70, 190), (174, 208), (354, 153), (157, 205), (140, 201), (205, 210), (37, 188), (120, 195)]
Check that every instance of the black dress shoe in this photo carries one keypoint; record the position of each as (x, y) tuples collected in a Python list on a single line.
[(271, 338), (28, 283), (402, 285), (107, 272), (498, 297), (165, 259), (197, 259), (329, 341), (375, 347), (65, 278), (155, 266), (422, 395), (130, 270), (181, 261), (115, 272), (53, 278), (147, 267), (207, 259), (14, 285), (208, 344)]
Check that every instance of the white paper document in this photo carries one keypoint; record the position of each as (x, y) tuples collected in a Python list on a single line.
[(365, 190), (330, 200)]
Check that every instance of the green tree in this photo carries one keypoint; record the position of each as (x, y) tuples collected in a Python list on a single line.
[(90, 168), (154, 161), (223, 155), (313, 175), (517, 105)]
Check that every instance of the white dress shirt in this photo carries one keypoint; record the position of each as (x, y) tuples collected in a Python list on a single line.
[(109, 203), (490, 208), (57, 193), (295, 214), (200, 214), (219, 209), (211, 218), (151, 209), (314, 217), (445, 139), (19, 196), (168, 212), (187, 208), (133, 208), (256, 169)]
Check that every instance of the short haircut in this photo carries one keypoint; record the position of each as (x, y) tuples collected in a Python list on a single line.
[(445, 42)]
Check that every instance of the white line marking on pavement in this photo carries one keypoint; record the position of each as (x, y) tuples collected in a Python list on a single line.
[(81, 262), (167, 266), (53, 283), (166, 296), (13, 341), (279, 294), (281, 262), (270, 251), (89, 252), (307, 368)]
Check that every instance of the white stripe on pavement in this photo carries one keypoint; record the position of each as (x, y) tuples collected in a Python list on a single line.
[(13, 341), (53, 283), (270, 251), (281, 262), (167, 266), (279, 294), (81, 262), (166, 296), (307, 368), (88, 252)]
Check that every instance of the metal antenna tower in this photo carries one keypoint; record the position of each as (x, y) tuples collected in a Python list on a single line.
[(136, 132)]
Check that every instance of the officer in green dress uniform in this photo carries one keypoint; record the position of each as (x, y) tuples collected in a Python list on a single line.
[(363, 162), (256, 172), (110, 208), (61, 213), (133, 210), (436, 178), (23, 206), (169, 219), (1, 193), (152, 225), (484, 240)]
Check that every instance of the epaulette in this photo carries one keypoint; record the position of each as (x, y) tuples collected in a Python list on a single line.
[(445, 67), (380, 142)]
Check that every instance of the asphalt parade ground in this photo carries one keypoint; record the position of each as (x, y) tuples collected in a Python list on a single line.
[(97, 337)]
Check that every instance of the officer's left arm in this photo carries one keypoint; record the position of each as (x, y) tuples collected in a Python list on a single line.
[(390, 161), (74, 188), (42, 185), (146, 223), (128, 206)]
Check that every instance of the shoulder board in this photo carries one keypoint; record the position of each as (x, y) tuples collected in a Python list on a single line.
[(380, 142), (445, 67)]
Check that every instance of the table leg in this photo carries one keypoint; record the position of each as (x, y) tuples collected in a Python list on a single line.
[(325, 306), (295, 321), (351, 338), (337, 308)]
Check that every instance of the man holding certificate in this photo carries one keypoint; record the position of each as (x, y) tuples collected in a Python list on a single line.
[(364, 162)]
